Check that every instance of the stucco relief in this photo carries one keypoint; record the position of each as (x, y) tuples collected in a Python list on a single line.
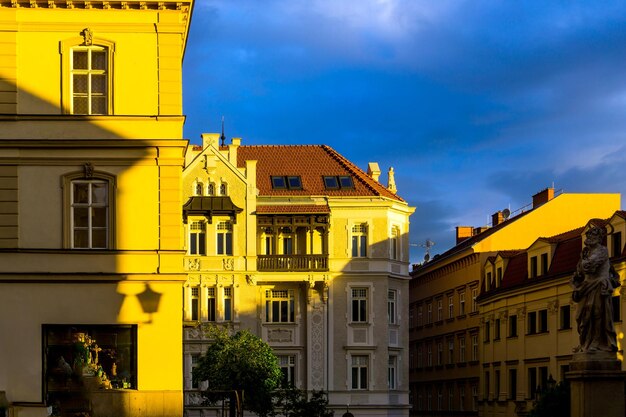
[(317, 349), (280, 335)]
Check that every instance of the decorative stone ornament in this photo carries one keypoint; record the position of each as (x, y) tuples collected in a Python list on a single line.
[(88, 169), (87, 35)]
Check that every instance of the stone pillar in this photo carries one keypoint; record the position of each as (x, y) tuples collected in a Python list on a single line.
[(596, 385)]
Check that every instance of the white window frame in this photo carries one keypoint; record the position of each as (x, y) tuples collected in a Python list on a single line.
[(359, 240), (462, 303), (287, 364), (394, 244), (90, 72), (229, 303), (224, 238), (392, 372), (279, 298), (358, 364), (197, 228), (359, 299), (91, 207), (392, 306)]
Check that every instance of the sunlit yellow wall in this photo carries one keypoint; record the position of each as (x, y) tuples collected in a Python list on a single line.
[(140, 145), (564, 212)]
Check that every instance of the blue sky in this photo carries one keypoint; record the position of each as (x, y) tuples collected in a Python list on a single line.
[(476, 104)]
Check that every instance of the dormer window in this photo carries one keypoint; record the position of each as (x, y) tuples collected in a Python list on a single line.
[(336, 182), (286, 182)]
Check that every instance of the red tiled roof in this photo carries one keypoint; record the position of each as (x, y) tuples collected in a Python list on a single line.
[(566, 256), (292, 209), (516, 271), (311, 163)]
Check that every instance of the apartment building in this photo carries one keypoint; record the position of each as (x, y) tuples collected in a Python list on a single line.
[(309, 252)]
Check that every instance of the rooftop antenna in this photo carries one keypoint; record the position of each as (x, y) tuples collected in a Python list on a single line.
[(222, 138), (428, 244)]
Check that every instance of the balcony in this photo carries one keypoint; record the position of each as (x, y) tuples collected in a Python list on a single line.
[(292, 263)]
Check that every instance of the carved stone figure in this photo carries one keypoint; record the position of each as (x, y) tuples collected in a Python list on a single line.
[(593, 284)]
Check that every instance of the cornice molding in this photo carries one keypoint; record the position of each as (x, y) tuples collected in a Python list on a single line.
[(99, 4)]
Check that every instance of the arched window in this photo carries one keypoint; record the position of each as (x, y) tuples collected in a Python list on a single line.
[(223, 189), (211, 189), (199, 188)]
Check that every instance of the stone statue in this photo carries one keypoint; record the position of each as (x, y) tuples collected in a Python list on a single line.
[(593, 284)]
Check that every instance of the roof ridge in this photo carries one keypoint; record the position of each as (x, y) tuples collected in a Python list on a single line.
[(358, 172)]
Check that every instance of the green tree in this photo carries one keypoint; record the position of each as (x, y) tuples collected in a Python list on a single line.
[(295, 402), (554, 401), (240, 362)]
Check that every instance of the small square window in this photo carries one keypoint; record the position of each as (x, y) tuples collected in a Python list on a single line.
[(294, 183), (279, 183), (331, 183), (346, 181)]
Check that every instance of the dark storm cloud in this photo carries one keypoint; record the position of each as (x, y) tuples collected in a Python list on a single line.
[(477, 105)]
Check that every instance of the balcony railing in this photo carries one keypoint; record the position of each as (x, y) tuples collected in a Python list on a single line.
[(292, 263)]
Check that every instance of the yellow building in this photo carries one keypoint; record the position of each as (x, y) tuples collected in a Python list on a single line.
[(300, 246), (91, 157), (528, 318), (446, 339)]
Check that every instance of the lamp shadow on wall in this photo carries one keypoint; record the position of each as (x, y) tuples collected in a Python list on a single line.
[(45, 283)]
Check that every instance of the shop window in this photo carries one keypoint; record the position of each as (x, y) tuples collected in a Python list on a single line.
[(279, 306), (83, 359)]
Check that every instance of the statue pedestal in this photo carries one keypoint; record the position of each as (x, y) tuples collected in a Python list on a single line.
[(596, 385)]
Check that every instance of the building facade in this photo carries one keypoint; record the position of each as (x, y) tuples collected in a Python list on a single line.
[(91, 158), (529, 319), (300, 246), (447, 332)]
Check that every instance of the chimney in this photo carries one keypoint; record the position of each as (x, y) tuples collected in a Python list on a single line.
[(543, 197), (391, 182), (463, 233), (232, 150), (373, 170), (497, 218)]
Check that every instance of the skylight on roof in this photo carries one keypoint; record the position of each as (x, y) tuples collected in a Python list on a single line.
[(335, 182), (284, 182)]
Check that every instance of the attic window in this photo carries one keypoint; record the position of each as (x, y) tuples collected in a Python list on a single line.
[(291, 182), (336, 182)]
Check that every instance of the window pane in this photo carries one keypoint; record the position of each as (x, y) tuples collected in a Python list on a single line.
[(362, 312), (363, 378), (99, 105), (363, 246), (278, 182), (275, 311), (346, 182), (355, 310), (99, 237), (229, 244), (80, 84), (220, 243), (81, 105), (228, 309), (193, 243), (355, 378), (355, 246), (79, 60), (81, 192), (211, 309), (99, 60), (98, 193), (201, 243), (81, 239), (81, 217), (99, 217), (331, 182), (194, 309), (99, 84), (284, 311)]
